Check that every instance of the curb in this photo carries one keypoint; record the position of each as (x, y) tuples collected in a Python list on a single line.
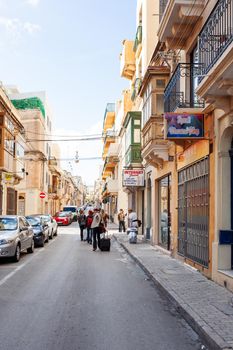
[(212, 340)]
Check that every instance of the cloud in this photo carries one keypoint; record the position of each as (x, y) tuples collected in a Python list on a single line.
[(33, 2), (16, 27)]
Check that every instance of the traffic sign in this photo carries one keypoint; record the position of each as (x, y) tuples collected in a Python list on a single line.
[(42, 195)]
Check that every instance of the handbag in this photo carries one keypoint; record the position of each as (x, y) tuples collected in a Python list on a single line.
[(102, 228)]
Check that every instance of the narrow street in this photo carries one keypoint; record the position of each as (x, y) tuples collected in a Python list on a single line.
[(67, 297)]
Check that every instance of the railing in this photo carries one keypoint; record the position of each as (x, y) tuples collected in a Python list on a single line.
[(138, 38), (162, 6), (216, 35), (184, 77)]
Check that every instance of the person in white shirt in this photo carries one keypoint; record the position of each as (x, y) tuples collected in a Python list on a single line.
[(96, 228), (132, 219)]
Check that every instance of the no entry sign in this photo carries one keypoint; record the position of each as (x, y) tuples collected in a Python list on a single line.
[(42, 195)]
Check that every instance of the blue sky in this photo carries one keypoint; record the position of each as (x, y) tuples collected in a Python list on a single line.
[(71, 50)]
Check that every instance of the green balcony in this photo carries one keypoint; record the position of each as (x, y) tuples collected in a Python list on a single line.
[(133, 155), (133, 138), (138, 38)]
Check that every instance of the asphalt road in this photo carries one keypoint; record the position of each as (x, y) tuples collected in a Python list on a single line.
[(67, 297)]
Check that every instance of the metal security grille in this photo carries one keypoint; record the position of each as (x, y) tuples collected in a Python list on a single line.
[(193, 212)]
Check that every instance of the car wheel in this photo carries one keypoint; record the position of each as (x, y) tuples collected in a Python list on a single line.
[(47, 239), (51, 236), (42, 244), (16, 257), (55, 234), (31, 249)]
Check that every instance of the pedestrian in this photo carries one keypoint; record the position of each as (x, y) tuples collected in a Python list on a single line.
[(132, 219), (121, 220), (82, 223), (105, 218), (97, 218), (88, 226)]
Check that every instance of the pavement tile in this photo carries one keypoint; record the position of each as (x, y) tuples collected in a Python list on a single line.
[(205, 305)]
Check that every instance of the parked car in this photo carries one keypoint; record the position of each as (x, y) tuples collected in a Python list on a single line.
[(40, 229), (74, 211), (63, 218), (16, 235), (52, 224)]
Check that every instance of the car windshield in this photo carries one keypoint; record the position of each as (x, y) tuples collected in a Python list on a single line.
[(34, 221), (8, 224), (46, 218), (72, 209), (62, 214)]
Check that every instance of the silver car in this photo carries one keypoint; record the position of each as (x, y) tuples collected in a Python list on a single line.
[(16, 235)]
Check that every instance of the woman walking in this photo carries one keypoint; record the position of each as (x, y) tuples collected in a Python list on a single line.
[(82, 223), (88, 226)]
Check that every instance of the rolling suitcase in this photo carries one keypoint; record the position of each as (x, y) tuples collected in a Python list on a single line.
[(132, 235), (105, 243)]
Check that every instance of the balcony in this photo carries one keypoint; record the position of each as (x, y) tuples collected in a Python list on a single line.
[(136, 87), (154, 147), (179, 92), (127, 60), (109, 117), (177, 19), (52, 189), (215, 44), (138, 41), (109, 138), (133, 156), (109, 166)]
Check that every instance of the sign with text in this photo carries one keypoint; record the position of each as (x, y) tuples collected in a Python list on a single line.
[(133, 177), (184, 126)]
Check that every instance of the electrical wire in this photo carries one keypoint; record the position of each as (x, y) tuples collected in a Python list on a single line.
[(54, 135), (65, 140)]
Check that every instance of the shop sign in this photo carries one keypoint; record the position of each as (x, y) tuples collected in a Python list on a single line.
[(184, 126), (8, 177), (133, 177)]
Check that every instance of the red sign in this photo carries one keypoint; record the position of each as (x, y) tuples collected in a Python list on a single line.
[(42, 195)]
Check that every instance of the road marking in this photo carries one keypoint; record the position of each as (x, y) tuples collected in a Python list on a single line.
[(7, 277)]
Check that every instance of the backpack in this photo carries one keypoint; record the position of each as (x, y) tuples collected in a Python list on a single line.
[(89, 221), (139, 223)]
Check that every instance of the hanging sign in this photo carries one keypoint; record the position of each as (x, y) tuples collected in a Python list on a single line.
[(133, 177), (184, 126)]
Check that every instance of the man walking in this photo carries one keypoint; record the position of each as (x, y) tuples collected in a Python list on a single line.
[(121, 219), (96, 228)]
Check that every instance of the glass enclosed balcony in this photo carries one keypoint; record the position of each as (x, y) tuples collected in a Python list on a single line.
[(138, 38)]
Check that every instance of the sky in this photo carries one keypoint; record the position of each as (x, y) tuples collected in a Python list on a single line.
[(71, 50)]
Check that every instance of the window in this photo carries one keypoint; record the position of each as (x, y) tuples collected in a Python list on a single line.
[(19, 150)]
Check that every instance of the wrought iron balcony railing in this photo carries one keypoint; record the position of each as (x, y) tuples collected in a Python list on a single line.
[(216, 35), (162, 6), (179, 92)]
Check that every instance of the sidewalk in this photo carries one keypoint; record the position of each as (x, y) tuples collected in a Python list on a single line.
[(206, 306)]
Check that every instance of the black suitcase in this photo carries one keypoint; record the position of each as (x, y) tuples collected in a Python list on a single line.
[(105, 244)]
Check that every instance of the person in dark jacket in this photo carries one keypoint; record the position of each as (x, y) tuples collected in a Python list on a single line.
[(82, 223)]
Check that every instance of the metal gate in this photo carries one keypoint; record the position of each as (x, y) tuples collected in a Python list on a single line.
[(193, 212)]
